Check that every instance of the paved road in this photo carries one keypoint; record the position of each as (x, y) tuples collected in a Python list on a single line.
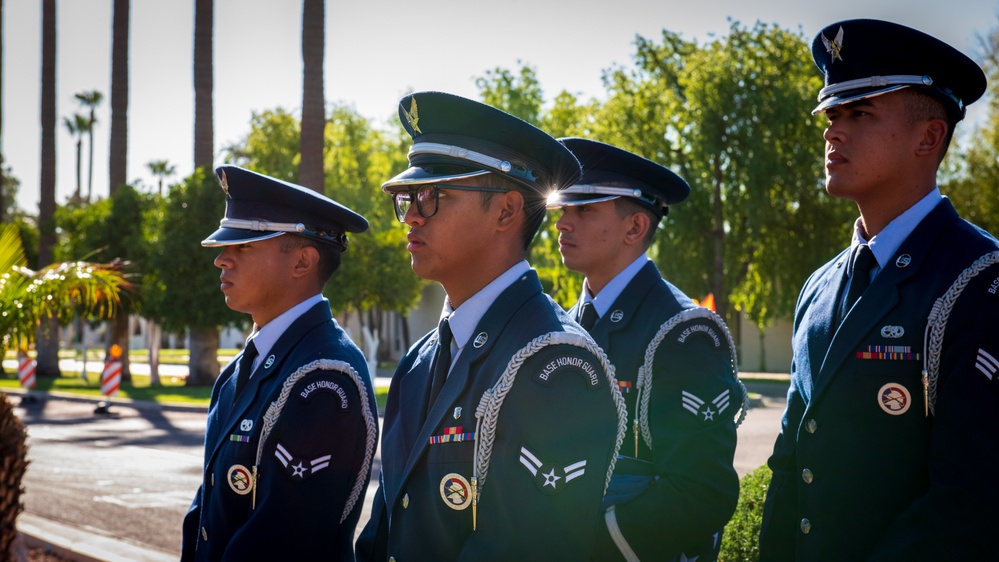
[(132, 475)]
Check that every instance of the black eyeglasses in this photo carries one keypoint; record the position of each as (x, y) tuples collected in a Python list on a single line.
[(427, 197)]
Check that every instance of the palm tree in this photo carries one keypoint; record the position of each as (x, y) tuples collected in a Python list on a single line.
[(48, 346), (91, 100), (161, 169), (310, 167), (77, 126), (118, 161), (203, 342)]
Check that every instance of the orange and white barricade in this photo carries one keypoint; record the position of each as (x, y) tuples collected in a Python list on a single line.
[(26, 370), (111, 376)]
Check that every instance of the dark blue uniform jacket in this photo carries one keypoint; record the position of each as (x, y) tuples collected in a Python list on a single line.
[(317, 452), (860, 471)]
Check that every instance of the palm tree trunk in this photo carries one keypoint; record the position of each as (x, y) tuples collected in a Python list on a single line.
[(3, 204), (47, 340), (310, 168), (90, 165), (118, 161), (204, 133)]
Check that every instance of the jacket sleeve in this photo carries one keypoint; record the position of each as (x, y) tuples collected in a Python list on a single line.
[(307, 473), (555, 436), (778, 530), (957, 516), (693, 400)]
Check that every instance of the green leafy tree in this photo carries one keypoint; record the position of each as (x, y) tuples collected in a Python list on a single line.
[(181, 284), (520, 94), (375, 274), (732, 117), (974, 186)]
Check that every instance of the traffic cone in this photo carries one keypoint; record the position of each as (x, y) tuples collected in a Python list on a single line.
[(110, 378)]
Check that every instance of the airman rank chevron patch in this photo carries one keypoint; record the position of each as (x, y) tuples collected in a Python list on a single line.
[(987, 364), (550, 479), (699, 407), (452, 435), (300, 469)]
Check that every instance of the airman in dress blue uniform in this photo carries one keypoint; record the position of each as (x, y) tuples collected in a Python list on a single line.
[(292, 424), (675, 487), (502, 425), (887, 448)]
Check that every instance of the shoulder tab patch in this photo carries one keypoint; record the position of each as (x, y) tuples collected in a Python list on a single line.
[(700, 328), (324, 385), (569, 359)]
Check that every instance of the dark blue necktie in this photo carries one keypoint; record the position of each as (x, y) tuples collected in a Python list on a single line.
[(860, 277), (245, 367), (441, 363), (588, 315)]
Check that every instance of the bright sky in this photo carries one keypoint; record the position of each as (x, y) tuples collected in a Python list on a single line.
[(376, 51)]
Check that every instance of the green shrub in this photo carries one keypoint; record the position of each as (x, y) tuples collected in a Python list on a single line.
[(741, 540)]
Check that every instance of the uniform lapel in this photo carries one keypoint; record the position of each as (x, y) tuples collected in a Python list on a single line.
[(883, 294), (466, 367), (268, 367)]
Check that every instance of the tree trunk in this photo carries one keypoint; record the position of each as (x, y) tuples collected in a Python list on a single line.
[(47, 340), (204, 363), (118, 161), (204, 134), (153, 337), (310, 167), (3, 204)]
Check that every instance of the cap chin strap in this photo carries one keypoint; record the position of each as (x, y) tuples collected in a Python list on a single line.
[(611, 193), (884, 81), (295, 227), (874, 82), (462, 153)]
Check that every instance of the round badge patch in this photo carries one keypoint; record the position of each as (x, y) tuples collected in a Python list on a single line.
[(456, 492), (240, 479), (894, 399)]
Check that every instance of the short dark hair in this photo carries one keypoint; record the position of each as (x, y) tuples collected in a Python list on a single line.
[(534, 205), (626, 206), (922, 106), (329, 255)]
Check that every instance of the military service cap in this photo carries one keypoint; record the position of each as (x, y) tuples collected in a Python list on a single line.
[(457, 138), (258, 207), (610, 172), (864, 58)]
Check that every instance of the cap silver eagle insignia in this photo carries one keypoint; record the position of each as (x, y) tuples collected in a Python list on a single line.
[(413, 116), (834, 47)]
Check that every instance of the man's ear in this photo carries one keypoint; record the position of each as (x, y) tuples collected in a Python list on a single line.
[(511, 206), (306, 263), (934, 132), (638, 225)]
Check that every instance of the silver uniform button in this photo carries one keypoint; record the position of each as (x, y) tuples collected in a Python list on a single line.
[(806, 525), (204, 533), (391, 558), (811, 425), (405, 501), (807, 476)]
